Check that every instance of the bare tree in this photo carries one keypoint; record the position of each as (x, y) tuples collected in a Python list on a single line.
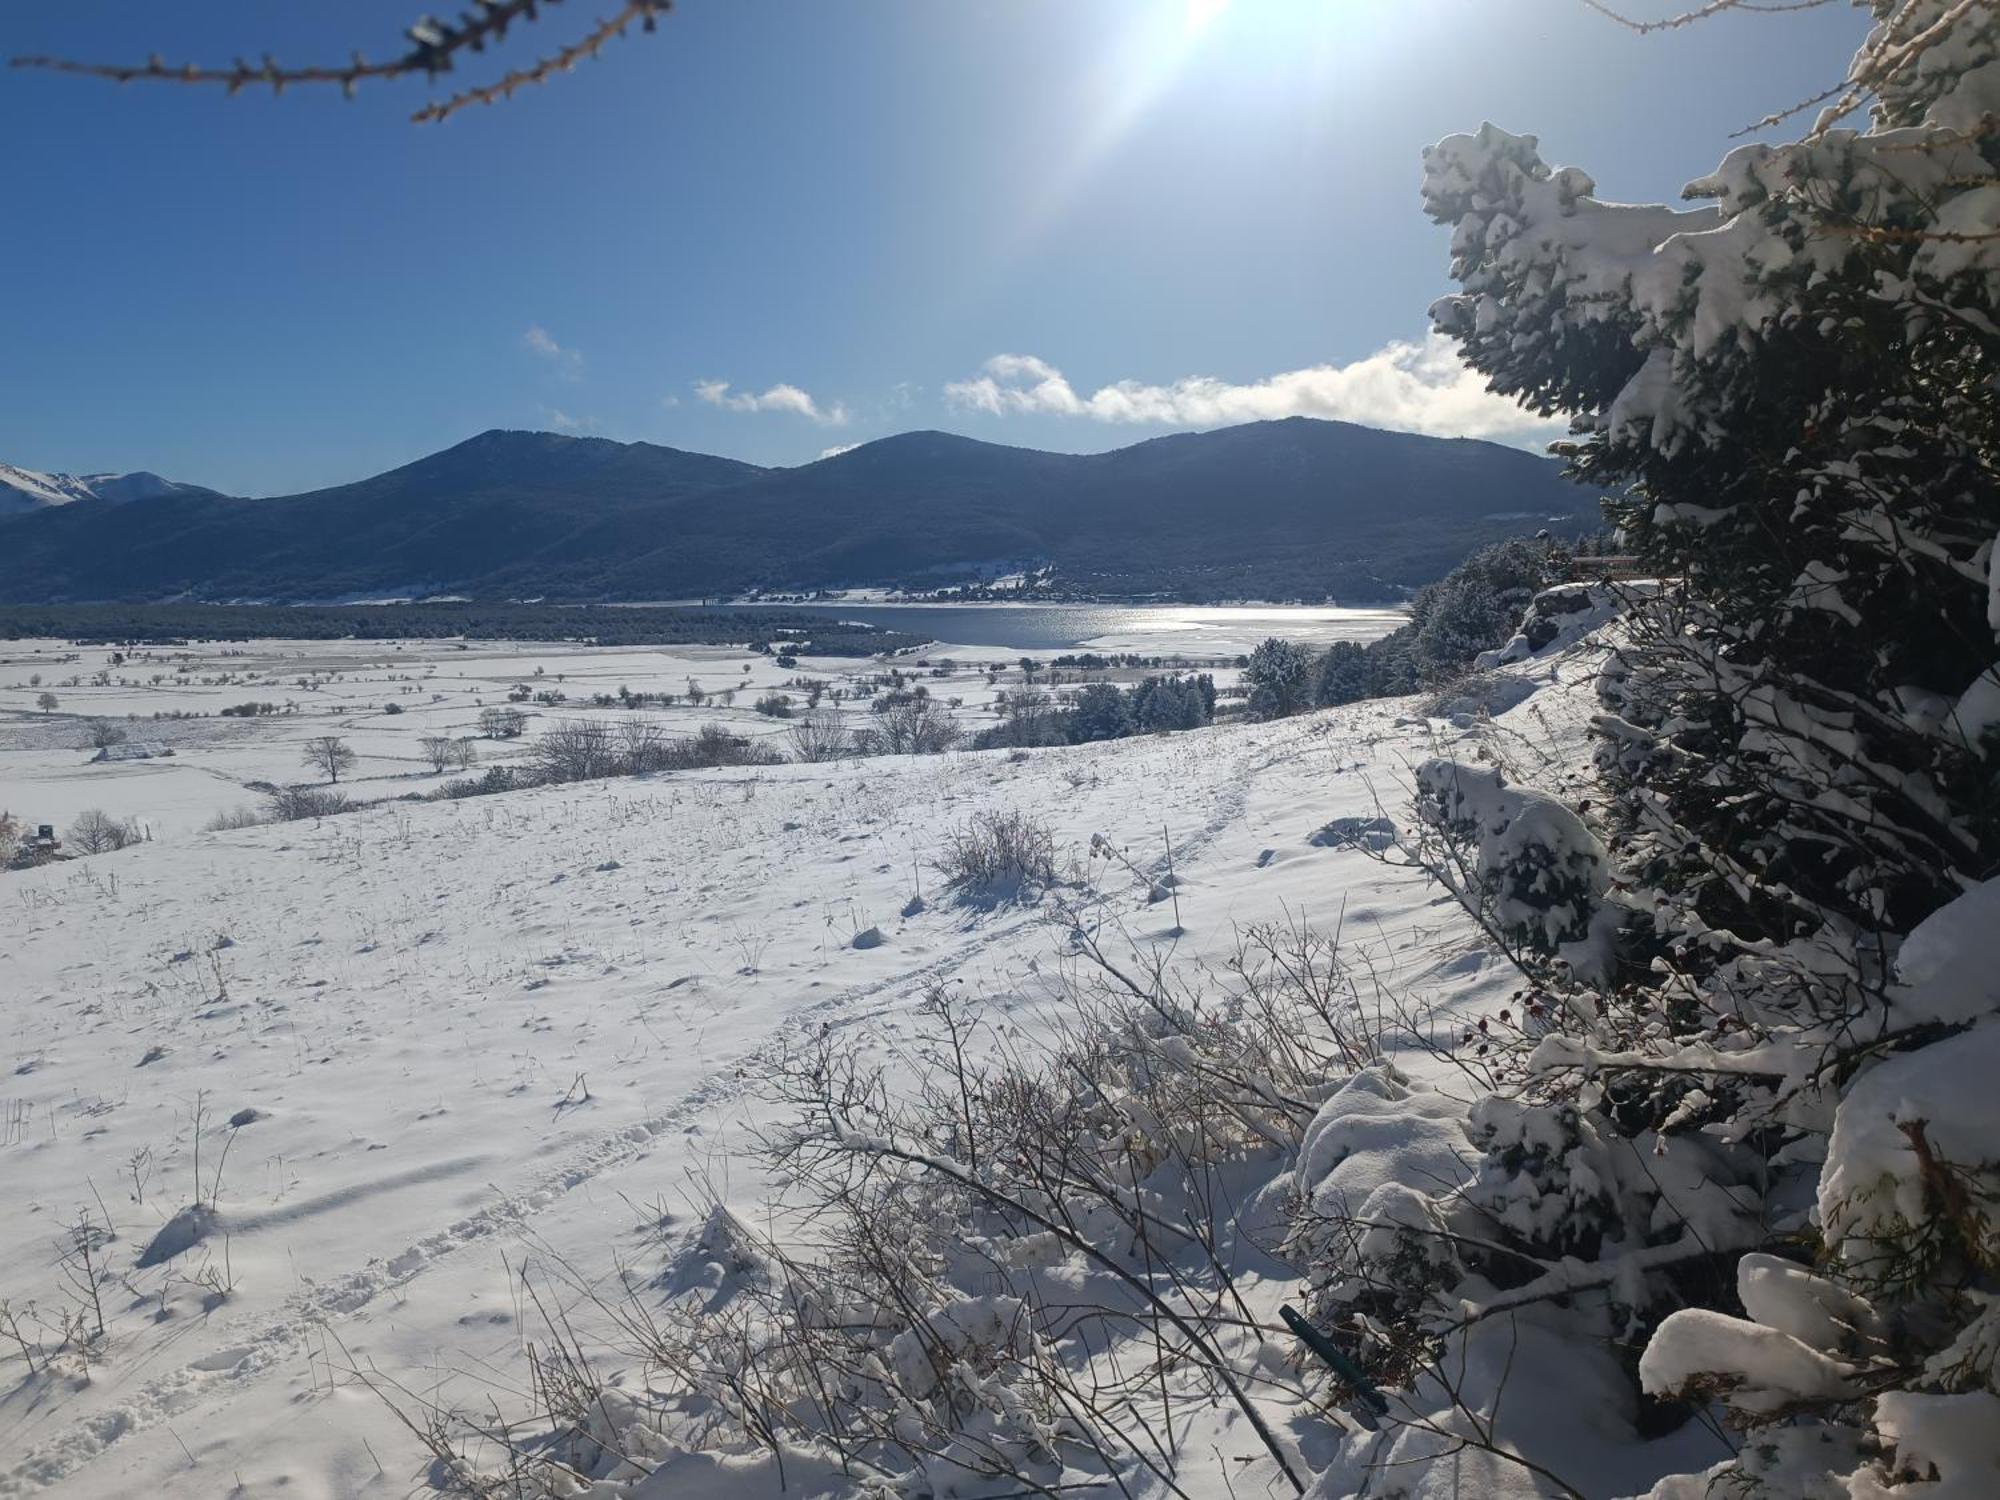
[(576, 750), (329, 755), (1029, 712), (46, 702), (438, 749), (95, 831), (914, 727), (820, 736), (464, 754), (101, 734), (643, 746), (502, 723)]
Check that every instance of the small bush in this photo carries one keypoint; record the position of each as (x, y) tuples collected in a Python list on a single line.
[(236, 817), (495, 779), (291, 803), (999, 857), (715, 746), (775, 706)]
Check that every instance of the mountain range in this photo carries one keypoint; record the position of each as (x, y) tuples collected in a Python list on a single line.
[(24, 490), (1291, 508)]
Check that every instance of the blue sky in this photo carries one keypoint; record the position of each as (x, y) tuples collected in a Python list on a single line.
[(844, 209)]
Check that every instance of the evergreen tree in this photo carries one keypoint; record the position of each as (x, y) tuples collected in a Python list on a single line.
[(1278, 679), (1761, 1021), (1099, 712)]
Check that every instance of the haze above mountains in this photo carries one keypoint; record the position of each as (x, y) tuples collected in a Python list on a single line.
[(1292, 508)]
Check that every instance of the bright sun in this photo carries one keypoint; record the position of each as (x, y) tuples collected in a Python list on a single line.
[(1201, 14)]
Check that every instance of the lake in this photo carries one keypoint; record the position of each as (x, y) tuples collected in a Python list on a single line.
[(1150, 629)]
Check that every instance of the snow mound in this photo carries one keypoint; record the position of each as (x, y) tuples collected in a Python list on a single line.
[(1946, 965), (1918, 1124), (180, 1234), (1379, 1129), (1483, 694), (1556, 618), (716, 1262), (1374, 834)]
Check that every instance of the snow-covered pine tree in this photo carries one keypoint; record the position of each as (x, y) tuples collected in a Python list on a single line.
[(1791, 392), (1757, 1139)]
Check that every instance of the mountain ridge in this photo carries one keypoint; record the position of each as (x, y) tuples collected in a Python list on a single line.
[(26, 490), (1296, 506)]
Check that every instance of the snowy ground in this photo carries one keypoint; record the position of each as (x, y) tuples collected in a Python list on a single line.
[(465, 1032), (382, 698)]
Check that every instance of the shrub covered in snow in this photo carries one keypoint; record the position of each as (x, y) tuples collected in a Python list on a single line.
[(1528, 866), (1753, 1130)]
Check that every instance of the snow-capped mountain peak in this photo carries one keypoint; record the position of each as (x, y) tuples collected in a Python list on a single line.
[(30, 489)]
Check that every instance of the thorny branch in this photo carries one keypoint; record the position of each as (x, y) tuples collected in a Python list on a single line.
[(434, 48)]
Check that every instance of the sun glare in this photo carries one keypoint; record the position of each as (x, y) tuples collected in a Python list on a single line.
[(1201, 14)]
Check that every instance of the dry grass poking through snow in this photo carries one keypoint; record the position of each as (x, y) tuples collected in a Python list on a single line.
[(999, 856)]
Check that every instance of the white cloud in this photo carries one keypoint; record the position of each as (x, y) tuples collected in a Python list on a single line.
[(780, 397), (562, 421), (540, 341), (837, 449), (1404, 386)]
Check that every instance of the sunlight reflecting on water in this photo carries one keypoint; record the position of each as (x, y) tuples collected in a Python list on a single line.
[(1208, 630)]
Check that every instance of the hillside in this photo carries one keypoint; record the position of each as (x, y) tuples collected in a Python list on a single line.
[(397, 1004), (1295, 507)]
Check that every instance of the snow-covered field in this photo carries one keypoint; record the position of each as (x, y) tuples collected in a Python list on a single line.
[(405, 1049), (382, 697)]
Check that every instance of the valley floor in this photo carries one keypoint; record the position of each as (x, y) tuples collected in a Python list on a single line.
[(436, 1039)]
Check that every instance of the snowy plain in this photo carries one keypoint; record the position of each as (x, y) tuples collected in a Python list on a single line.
[(462, 1034)]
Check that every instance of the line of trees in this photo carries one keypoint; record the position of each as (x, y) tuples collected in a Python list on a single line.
[(1031, 716), (1475, 607)]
